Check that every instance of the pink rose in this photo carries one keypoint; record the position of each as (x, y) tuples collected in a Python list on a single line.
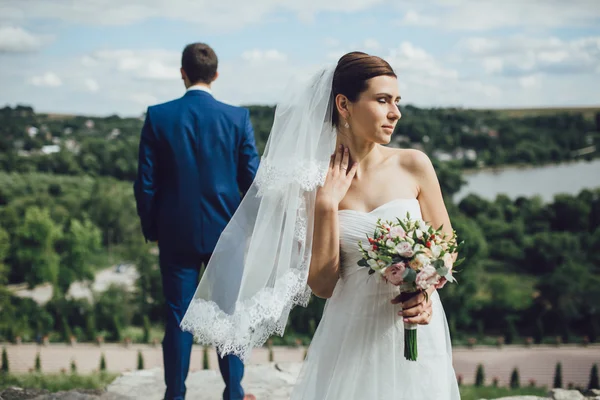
[(394, 273), (441, 283), (397, 232), (427, 277)]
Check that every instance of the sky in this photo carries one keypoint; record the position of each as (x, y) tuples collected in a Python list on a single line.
[(104, 57)]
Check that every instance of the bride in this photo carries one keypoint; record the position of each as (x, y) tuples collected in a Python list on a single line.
[(300, 224)]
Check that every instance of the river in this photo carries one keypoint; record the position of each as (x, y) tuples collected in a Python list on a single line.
[(546, 181)]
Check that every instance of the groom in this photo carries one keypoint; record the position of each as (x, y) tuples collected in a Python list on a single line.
[(197, 157)]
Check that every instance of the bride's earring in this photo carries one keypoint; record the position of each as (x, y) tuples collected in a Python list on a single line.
[(346, 125)]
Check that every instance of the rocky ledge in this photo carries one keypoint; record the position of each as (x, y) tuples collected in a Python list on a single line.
[(266, 381)]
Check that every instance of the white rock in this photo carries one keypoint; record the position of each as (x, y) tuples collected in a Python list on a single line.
[(265, 381), (562, 394)]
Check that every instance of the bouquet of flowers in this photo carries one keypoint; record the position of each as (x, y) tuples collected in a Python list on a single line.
[(413, 255)]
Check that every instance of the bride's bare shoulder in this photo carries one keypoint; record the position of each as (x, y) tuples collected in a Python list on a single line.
[(412, 160)]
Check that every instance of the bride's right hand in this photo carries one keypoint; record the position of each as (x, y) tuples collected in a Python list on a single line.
[(338, 179)]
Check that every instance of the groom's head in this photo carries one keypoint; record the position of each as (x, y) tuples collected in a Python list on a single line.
[(198, 64)]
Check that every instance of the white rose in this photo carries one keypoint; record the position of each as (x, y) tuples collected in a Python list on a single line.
[(423, 259), (390, 243), (372, 254), (404, 249), (436, 249), (419, 233), (423, 225), (448, 261)]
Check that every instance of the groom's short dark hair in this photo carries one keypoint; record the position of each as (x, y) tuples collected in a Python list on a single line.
[(199, 62)]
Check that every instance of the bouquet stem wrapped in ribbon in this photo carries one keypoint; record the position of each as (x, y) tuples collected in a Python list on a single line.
[(413, 255)]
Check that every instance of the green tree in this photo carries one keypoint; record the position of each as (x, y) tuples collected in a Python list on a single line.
[(102, 363), (4, 251), (514, 379), (4, 368), (558, 383), (35, 256), (594, 384), (81, 241), (140, 360), (147, 327), (480, 376)]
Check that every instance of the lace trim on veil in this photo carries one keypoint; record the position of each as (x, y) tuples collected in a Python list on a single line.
[(273, 178), (254, 321)]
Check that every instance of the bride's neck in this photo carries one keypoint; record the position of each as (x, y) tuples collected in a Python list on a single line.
[(361, 151)]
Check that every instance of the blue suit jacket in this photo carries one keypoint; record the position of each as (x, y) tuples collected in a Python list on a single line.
[(197, 157)]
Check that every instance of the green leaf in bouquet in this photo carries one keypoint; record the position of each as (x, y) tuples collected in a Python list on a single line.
[(459, 261), (437, 264), (363, 263), (386, 259), (409, 275), (402, 225), (443, 271)]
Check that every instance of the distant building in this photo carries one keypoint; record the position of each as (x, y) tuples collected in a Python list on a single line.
[(442, 156), (72, 146), (114, 133), (68, 131), (32, 131), (471, 155), (89, 124), (50, 149)]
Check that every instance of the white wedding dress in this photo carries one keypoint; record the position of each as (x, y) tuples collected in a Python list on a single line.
[(357, 351)]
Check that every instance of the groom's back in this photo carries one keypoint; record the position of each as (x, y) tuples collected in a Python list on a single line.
[(205, 156)]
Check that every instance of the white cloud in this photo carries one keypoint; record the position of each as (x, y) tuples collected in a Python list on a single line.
[(415, 63), (144, 99), (225, 15), (331, 42), (529, 81), (153, 65), (259, 56), (88, 61), (371, 44), (18, 40), (91, 85), (49, 79), (521, 55), (482, 15), (413, 18), (492, 64)]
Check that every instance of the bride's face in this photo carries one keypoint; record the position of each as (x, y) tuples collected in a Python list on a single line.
[(374, 114)]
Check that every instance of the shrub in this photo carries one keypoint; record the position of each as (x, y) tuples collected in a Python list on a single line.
[(593, 384), (4, 367), (479, 376), (514, 379), (558, 376)]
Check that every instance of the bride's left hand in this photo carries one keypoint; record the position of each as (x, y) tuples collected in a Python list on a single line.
[(416, 310)]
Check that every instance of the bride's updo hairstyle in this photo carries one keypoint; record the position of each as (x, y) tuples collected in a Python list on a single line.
[(351, 75)]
